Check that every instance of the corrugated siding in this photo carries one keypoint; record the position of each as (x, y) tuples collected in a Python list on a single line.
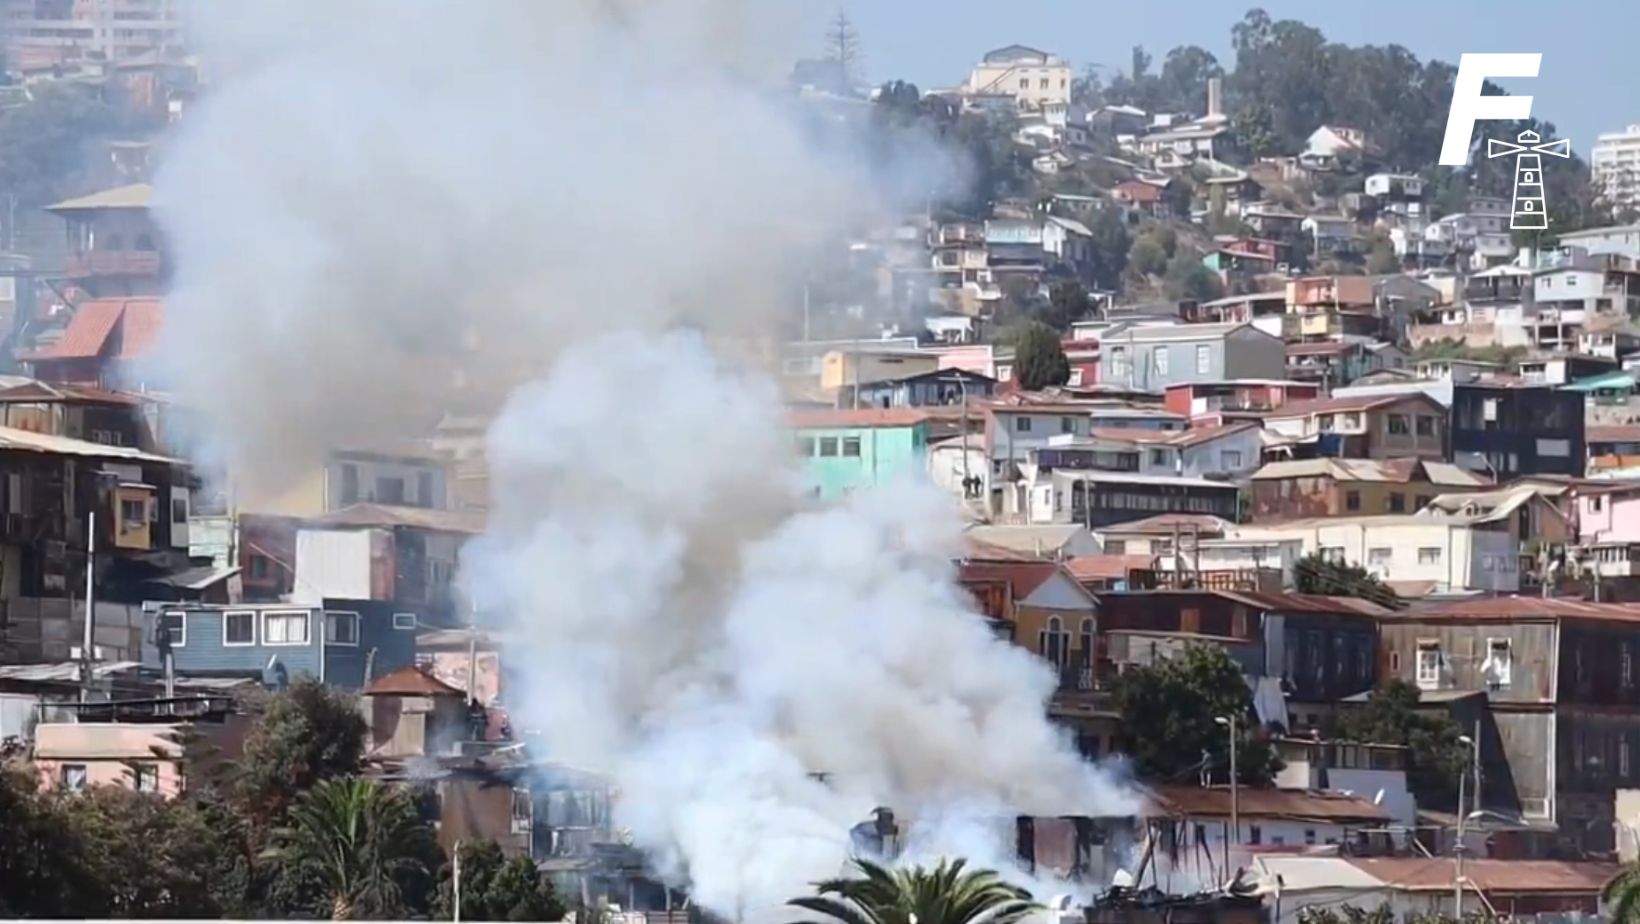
[(334, 563), (202, 649)]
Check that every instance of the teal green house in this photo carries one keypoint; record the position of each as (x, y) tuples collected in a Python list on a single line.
[(847, 450)]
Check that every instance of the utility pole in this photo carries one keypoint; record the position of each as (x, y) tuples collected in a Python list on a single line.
[(1229, 723), (1457, 848), (86, 658), (455, 884)]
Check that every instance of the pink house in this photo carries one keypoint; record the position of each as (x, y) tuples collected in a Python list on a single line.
[(143, 755), (1609, 529)]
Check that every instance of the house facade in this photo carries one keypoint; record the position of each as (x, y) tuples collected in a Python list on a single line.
[(1154, 358), (1507, 430), (849, 450), (1414, 554), (1379, 427)]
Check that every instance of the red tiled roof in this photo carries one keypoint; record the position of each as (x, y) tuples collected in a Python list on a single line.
[(410, 680), (1505, 877), (1526, 608), (131, 323), (1106, 567), (1024, 577), (861, 417), (1613, 433), (1302, 805)]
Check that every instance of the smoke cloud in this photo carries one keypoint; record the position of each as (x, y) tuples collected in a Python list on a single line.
[(381, 211)]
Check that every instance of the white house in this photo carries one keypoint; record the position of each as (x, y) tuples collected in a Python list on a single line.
[(1414, 552), (1031, 77), (1328, 143)]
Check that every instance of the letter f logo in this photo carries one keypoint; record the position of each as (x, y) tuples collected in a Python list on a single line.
[(1469, 106)]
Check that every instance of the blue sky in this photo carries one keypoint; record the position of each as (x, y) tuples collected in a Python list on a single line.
[(1589, 82)]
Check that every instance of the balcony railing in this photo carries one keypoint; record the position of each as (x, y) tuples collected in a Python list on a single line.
[(1077, 678), (112, 263)]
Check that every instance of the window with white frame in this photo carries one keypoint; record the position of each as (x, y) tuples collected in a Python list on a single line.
[(342, 628), (1204, 359), (1429, 555), (1230, 459), (1429, 665), (72, 777), (1499, 664), (238, 628), (147, 777), (404, 622), (1380, 557), (1159, 357), (285, 627)]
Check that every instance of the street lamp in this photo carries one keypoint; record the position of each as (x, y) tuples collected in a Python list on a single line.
[(1229, 723), (1457, 847)]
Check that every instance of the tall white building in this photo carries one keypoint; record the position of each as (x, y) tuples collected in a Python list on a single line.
[(1614, 162)]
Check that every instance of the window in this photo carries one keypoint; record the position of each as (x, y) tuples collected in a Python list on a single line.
[(1352, 421), (1159, 358), (1118, 361), (174, 625), (1309, 836), (1067, 425), (1158, 457), (1043, 84), (1429, 665), (350, 484), (1597, 504), (285, 628), (1115, 546), (1352, 500), (1324, 423), (1497, 666), (1204, 359), (1022, 424), (805, 446), (1380, 557), (1333, 553), (1395, 662), (404, 622), (1426, 425), (1429, 555), (1398, 425), (851, 446), (390, 491), (261, 568), (1397, 502), (342, 628), (1054, 641), (1024, 83), (72, 777), (238, 628), (133, 513), (144, 243), (147, 777), (424, 490), (828, 447), (1623, 756), (1230, 459)]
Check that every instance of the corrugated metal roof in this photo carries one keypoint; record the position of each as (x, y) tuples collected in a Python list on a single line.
[(1254, 802), (137, 321), (13, 438), (410, 680), (1166, 522), (1106, 567), (61, 672), (1305, 874), (1502, 877), (1524, 608)]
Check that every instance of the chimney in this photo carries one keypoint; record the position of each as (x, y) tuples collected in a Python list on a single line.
[(1215, 97)]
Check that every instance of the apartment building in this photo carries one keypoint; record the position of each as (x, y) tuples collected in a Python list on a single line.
[(1614, 165), (40, 34)]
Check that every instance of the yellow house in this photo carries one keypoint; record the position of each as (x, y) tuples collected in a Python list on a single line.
[(843, 368)]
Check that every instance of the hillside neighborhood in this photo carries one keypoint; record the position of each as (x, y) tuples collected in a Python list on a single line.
[(1298, 477)]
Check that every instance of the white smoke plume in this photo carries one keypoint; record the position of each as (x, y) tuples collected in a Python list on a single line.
[(376, 196)]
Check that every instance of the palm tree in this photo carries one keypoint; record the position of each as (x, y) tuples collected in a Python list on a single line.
[(946, 894), (359, 839), (1622, 896)]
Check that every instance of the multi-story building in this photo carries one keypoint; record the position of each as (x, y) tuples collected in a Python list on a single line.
[(1352, 487), (1507, 430), (1414, 553), (1367, 426), (39, 34), (1034, 79), (1614, 166), (1561, 718), (1155, 357), (114, 247)]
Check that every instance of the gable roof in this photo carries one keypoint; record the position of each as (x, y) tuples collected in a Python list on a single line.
[(40, 392), (135, 196), (411, 680), (130, 325), (1106, 566), (1505, 608), (1013, 53), (1500, 877), (1393, 471), (1023, 578), (1041, 540)]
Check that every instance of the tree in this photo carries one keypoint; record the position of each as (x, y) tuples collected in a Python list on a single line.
[(144, 856), (843, 47), (1182, 86), (1435, 756), (1108, 248), (1148, 256), (1067, 302), (41, 873), (47, 144), (495, 887), (1186, 277), (1169, 715), (307, 734), (1383, 259), (947, 894), (1622, 896), (1039, 358), (358, 841), (1317, 574)]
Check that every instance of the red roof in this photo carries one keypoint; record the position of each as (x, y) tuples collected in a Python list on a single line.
[(410, 680), (1525, 608), (130, 324), (1613, 433), (1022, 577), (1349, 403), (1253, 802), (1138, 191), (827, 418), (1106, 567), (1505, 877)]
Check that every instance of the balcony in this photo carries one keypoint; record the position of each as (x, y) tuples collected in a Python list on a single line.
[(1617, 560), (1076, 679), (94, 263)]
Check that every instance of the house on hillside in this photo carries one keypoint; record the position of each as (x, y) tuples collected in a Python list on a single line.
[(115, 249), (1144, 197), (1562, 713), (1353, 487), (97, 347), (1378, 427), (1330, 146), (848, 450), (1226, 450), (1507, 429), (1416, 555), (135, 744), (1153, 358)]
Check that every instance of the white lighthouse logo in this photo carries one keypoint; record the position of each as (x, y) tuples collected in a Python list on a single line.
[(1527, 210)]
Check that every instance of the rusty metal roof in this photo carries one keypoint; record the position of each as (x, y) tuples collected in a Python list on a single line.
[(410, 680), (1524, 608), (1417, 874), (1254, 802)]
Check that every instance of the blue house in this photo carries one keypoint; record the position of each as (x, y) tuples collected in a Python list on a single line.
[(342, 643)]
